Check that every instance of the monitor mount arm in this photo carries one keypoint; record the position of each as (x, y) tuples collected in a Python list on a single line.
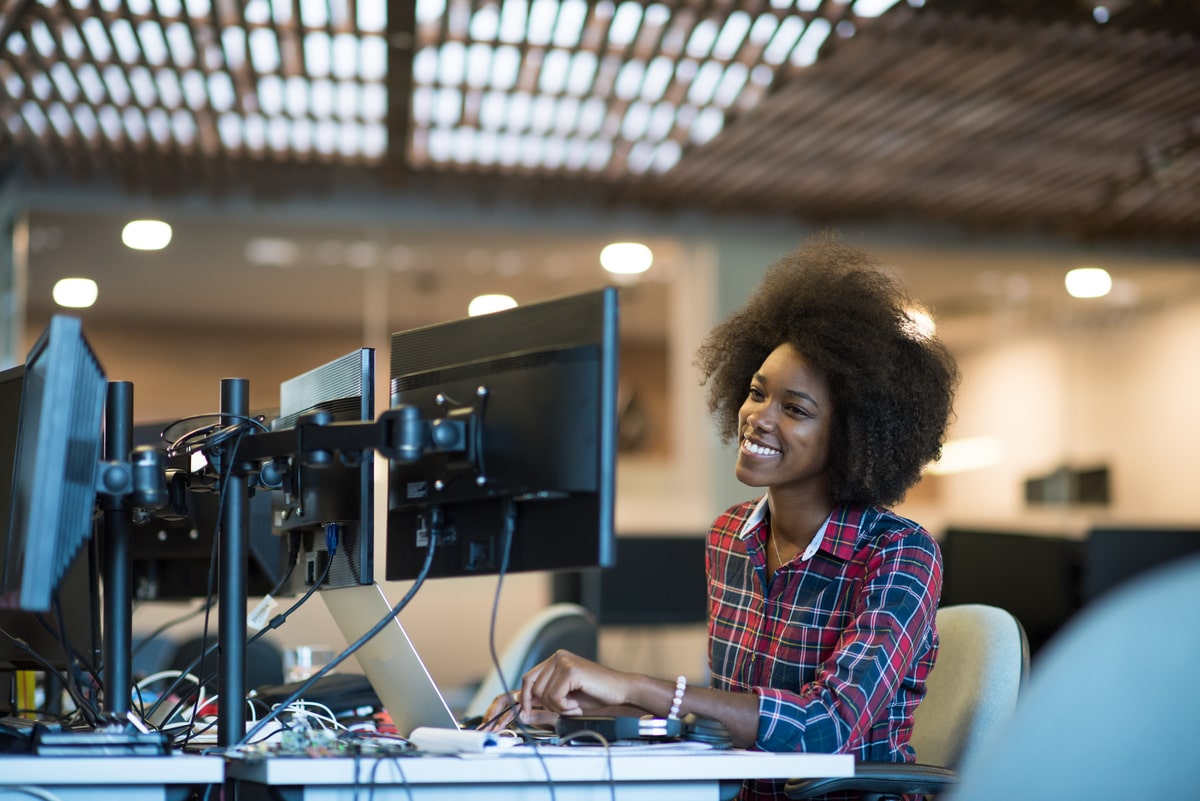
[(263, 459)]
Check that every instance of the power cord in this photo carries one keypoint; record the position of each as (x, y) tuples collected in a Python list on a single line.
[(434, 537), (508, 528)]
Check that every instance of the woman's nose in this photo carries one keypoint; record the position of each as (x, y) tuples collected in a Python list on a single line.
[(759, 420)]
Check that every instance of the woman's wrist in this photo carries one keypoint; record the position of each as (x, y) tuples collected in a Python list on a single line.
[(654, 695)]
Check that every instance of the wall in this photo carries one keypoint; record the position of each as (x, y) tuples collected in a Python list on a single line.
[(1120, 392)]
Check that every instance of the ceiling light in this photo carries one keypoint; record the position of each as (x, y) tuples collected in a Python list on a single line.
[(486, 304), (272, 251), (872, 8), (626, 258), (146, 234), (1088, 282), (75, 293)]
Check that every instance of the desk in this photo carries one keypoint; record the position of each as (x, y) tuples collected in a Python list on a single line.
[(662, 776), (120, 778)]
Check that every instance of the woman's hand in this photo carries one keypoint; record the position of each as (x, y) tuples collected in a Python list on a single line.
[(567, 684), (502, 713)]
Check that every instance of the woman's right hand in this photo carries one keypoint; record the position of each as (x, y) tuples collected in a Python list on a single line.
[(568, 684), (502, 714)]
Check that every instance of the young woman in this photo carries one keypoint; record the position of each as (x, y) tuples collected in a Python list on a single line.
[(821, 600)]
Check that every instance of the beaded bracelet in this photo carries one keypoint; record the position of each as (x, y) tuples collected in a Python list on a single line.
[(677, 701)]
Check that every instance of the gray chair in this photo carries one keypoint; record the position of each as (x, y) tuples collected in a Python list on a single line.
[(564, 625), (972, 691), (1113, 707)]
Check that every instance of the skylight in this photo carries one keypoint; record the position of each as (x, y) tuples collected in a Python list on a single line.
[(544, 85)]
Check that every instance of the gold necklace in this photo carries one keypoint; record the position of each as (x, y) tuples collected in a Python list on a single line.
[(775, 545)]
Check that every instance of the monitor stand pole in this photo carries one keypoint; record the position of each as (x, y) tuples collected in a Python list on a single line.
[(235, 522), (118, 559)]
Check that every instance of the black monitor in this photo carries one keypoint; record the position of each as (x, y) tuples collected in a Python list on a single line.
[(173, 549), (339, 492), (1034, 576), (1115, 554), (58, 447), (74, 589), (538, 385), (640, 589)]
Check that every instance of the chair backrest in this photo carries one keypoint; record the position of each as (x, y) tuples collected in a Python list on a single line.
[(264, 661), (1112, 704), (563, 625), (972, 691)]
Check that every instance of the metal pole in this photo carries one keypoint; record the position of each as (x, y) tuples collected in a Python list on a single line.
[(235, 522), (118, 559)]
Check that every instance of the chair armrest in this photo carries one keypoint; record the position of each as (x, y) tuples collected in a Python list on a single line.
[(879, 778)]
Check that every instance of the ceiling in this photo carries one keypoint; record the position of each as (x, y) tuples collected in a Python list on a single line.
[(1046, 117)]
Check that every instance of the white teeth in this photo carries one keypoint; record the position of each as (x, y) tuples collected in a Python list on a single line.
[(758, 450)]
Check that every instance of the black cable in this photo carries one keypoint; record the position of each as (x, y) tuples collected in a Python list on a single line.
[(80, 703), (588, 734), (209, 594), (73, 666), (212, 568), (403, 779), (74, 652), (207, 437), (434, 536), (332, 538), (510, 524), (275, 623)]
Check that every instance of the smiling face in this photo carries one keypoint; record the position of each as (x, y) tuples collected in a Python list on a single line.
[(785, 426)]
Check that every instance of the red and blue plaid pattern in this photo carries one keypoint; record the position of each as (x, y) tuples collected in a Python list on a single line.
[(837, 647)]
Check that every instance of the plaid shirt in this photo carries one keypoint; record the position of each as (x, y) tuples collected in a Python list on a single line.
[(837, 647)]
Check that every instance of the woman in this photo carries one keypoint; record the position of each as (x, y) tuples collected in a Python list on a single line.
[(821, 601)]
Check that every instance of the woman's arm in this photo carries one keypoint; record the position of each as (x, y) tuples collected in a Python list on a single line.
[(567, 684)]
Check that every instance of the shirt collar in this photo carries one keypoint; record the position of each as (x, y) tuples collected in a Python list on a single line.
[(759, 515)]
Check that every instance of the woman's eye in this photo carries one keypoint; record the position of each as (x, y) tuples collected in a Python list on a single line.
[(755, 393)]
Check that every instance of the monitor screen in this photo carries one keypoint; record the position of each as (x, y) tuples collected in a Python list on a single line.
[(1034, 576), (341, 491), (537, 388), (75, 587), (58, 447), (1115, 554)]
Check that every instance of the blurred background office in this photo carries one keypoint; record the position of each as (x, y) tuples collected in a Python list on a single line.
[(331, 171)]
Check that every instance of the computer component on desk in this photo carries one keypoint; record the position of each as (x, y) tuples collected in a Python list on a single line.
[(346, 695)]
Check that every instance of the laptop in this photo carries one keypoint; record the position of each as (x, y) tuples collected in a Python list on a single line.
[(389, 660)]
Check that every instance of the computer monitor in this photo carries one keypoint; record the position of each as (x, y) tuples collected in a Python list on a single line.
[(58, 447), (75, 588), (340, 491), (173, 549), (1115, 554), (537, 386), (1034, 576), (637, 591)]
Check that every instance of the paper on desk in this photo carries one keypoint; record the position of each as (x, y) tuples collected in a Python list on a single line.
[(433, 740)]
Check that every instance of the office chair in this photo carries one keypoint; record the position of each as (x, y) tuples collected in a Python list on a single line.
[(264, 661), (562, 625), (1113, 705), (982, 661)]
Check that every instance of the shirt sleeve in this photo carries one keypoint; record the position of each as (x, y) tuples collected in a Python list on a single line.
[(889, 629)]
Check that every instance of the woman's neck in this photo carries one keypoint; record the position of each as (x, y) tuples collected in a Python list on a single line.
[(796, 519)]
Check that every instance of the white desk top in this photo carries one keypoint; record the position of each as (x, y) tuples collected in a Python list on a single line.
[(63, 771), (557, 765)]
